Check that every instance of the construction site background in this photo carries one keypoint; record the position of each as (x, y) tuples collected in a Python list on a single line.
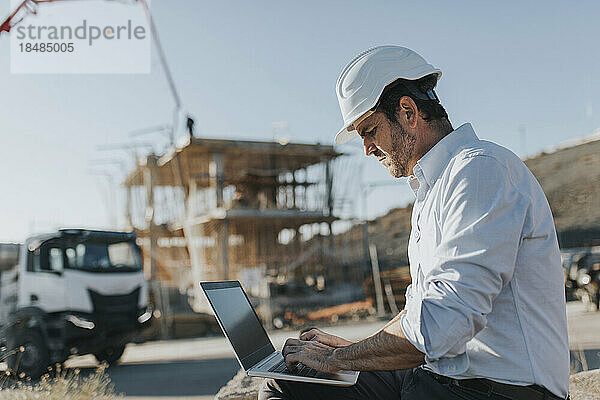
[(262, 213)]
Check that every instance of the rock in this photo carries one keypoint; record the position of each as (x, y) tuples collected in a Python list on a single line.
[(585, 385), (240, 387)]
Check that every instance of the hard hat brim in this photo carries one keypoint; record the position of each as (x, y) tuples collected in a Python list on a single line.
[(345, 136)]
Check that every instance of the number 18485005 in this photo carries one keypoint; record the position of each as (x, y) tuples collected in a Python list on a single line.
[(46, 47)]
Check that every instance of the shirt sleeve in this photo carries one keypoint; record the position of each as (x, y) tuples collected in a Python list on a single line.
[(481, 219)]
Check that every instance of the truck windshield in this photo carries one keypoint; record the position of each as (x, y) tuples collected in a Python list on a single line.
[(100, 256)]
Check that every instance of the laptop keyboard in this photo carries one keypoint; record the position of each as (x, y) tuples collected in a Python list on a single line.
[(302, 370)]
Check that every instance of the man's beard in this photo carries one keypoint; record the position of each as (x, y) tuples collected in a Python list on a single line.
[(403, 146)]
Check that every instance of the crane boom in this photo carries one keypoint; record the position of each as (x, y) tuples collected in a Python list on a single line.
[(25, 8)]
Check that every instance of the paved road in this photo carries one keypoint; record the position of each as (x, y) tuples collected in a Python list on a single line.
[(197, 368), (174, 378), (584, 326)]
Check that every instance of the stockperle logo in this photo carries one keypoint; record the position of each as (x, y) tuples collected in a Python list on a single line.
[(93, 37)]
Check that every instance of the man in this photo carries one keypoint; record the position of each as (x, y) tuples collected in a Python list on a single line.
[(485, 313)]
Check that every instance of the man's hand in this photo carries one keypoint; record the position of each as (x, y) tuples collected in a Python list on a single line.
[(318, 335), (311, 353)]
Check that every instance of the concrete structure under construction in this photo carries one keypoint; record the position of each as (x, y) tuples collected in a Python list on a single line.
[(215, 209)]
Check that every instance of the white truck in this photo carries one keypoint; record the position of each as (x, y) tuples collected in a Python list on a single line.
[(71, 292)]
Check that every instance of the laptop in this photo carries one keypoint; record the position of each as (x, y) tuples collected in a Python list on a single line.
[(250, 342)]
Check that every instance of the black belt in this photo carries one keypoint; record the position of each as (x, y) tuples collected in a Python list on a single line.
[(488, 387)]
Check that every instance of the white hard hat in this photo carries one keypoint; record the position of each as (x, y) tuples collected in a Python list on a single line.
[(362, 81)]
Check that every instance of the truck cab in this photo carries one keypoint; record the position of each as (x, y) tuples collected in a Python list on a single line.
[(73, 292)]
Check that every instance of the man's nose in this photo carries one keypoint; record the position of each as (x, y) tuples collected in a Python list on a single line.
[(370, 147)]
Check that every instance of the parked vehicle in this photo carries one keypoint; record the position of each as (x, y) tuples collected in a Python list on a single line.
[(71, 292), (588, 279), (570, 258), (582, 275)]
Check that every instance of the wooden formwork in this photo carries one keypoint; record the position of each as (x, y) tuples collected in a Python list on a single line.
[(211, 208)]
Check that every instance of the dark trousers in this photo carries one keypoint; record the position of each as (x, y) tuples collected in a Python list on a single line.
[(406, 384)]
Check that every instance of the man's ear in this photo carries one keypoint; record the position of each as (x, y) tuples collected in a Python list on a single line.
[(408, 112)]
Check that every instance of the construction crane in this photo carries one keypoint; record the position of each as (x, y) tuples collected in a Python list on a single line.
[(25, 8), (28, 7)]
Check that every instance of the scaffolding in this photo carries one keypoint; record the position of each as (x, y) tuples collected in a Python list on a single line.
[(215, 209)]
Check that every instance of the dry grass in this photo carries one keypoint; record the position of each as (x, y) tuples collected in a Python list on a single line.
[(64, 385)]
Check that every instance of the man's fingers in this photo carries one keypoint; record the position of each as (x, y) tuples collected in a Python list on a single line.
[(325, 338), (290, 346), (291, 342), (312, 354), (305, 331), (290, 349), (308, 335), (292, 360)]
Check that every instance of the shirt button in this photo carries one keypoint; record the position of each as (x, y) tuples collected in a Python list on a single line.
[(417, 235)]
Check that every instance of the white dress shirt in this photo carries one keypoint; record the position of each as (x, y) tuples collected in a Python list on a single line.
[(487, 298)]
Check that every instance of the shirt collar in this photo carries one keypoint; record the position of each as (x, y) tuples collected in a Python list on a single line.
[(429, 168), (413, 182)]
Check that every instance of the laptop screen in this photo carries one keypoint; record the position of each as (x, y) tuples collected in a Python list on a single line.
[(239, 321)]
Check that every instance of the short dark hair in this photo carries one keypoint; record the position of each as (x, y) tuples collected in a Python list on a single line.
[(429, 110)]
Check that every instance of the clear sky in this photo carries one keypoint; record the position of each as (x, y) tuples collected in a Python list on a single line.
[(509, 67)]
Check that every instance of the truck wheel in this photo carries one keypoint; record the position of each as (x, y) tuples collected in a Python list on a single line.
[(110, 355), (33, 361)]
